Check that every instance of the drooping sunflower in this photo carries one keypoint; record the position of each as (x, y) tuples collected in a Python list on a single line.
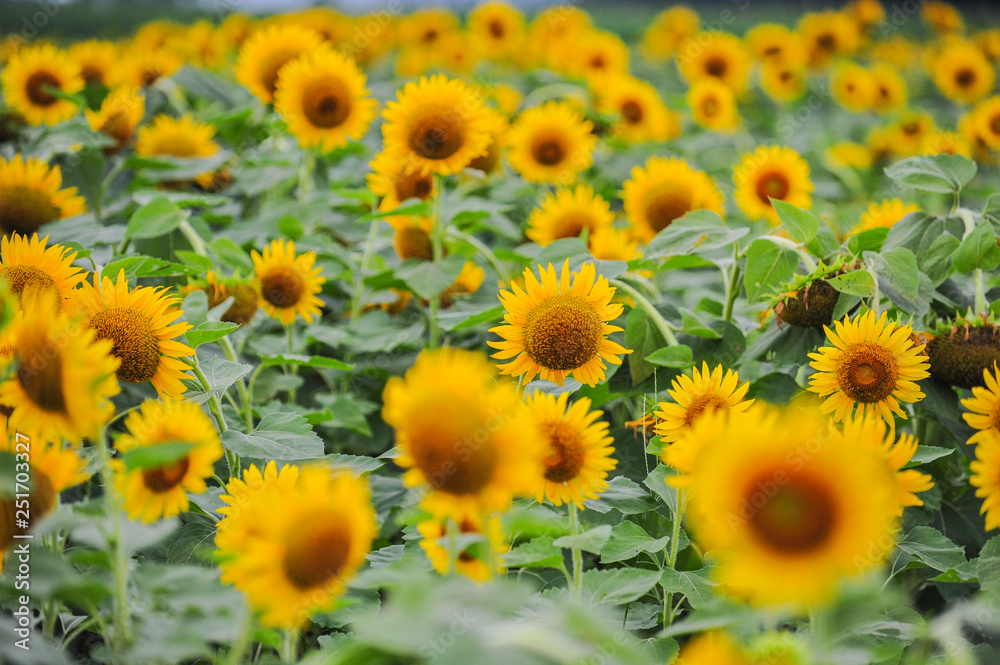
[(119, 115), (873, 364), (717, 55), (557, 325), (986, 477), (963, 73), (712, 648), (265, 53), (962, 349), (244, 292), (293, 550), (884, 214), (579, 449), (827, 35), (140, 324), (27, 265), (474, 560), (461, 434), (497, 30), (288, 283), (787, 525), (240, 492), (396, 181), (665, 189), (140, 67), (96, 59), (713, 105), (566, 212), (31, 77), (702, 392), (437, 125), (610, 244), (671, 28), (641, 114), (551, 144), (853, 87), (65, 379), (984, 407), (896, 454), (771, 172), (323, 98), (152, 493), (890, 88), (31, 196)]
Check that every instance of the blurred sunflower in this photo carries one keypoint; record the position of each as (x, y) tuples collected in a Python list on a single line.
[(437, 125), (597, 57), (717, 55), (566, 212), (177, 137), (396, 181), (946, 143), (579, 449), (774, 43), (27, 265), (244, 292), (853, 87), (491, 161), (119, 115), (713, 105), (323, 98), (474, 559), (713, 648), (551, 144), (962, 73), (702, 392), (497, 30), (426, 27), (293, 551), (30, 196), (867, 13), (640, 113), (884, 214), (846, 154), (788, 527), (610, 244), (34, 81), (872, 364), (412, 237), (907, 135), (140, 324), (771, 172), (987, 114), (558, 325), (65, 379), (461, 434), (97, 59), (190, 446), (240, 493), (468, 281), (288, 283), (140, 67), (890, 88), (665, 189), (941, 17), (984, 407), (827, 35), (265, 53), (668, 30), (783, 81), (896, 454), (552, 32), (986, 477)]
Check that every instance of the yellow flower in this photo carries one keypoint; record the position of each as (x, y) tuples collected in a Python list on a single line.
[(986, 477), (30, 196), (396, 181), (866, 12), (597, 56), (293, 549), (240, 493), (425, 28), (792, 504), (942, 17), (827, 35), (490, 161), (437, 125), (774, 42), (30, 78), (910, 132), (468, 439), (412, 239), (872, 364), (474, 560), (771, 172), (611, 244), (140, 67), (553, 30), (849, 155), (987, 120), (177, 137), (566, 212), (497, 30), (671, 28), (712, 648), (323, 98), (140, 324), (884, 214), (245, 295), (984, 407), (159, 492), (288, 283), (665, 189), (558, 325), (946, 143), (713, 105), (783, 81), (641, 114), (895, 454), (97, 59), (28, 265), (853, 87), (890, 88), (119, 115), (717, 55), (265, 53), (962, 73), (551, 144), (468, 281), (702, 392)]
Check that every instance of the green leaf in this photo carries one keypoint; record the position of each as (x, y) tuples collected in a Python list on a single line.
[(231, 254), (279, 436), (195, 260), (209, 331), (856, 283), (221, 375), (672, 356), (359, 464), (931, 548), (341, 411), (153, 457), (934, 173), (627, 540), (622, 495), (428, 279), (898, 267), (988, 569), (297, 360), (801, 224), (769, 266), (491, 315), (695, 585), (693, 325), (978, 250), (146, 266), (619, 585), (702, 229), (937, 261), (536, 553), (927, 454), (157, 218), (592, 540)]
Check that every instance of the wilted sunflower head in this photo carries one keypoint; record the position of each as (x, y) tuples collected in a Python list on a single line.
[(963, 348), (809, 300), (31, 196), (412, 238)]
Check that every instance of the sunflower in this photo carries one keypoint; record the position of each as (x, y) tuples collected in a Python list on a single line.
[(288, 283), (140, 67), (551, 144), (890, 88), (597, 56), (490, 161), (946, 143), (566, 212), (119, 115), (641, 114), (788, 524), (846, 154), (498, 30), (774, 43), (884, 214), (293, 549), (323, 98), (31, 78), (177, 137), (771, 172), (579, 449), (853, 87), (872, 364), (396, 181), (941, 17), (437, 125), (783, 81), (558, 325), (552, 31), (96, 59), (140, 324), (896, 454), (28, 265), (986, 477), (867, 13), (474, 559), (65, 379), (240, 492), (826, 35), (461, 434), (610, 244), (702, 392), (468, 281), (984, 407), (267, 51), (717, 55), (426, 27), (962, 73), (412, 237), (962, 349), (987, 114), (159, 492), (909, 133), (713, 105), (712, 648), (665, 189), (669, 29), (245, 294)]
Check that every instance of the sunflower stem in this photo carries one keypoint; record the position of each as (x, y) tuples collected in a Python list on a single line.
[(451, 534), (366, 257), (661, 324), (574, 530), (977, 276), (121, 619), (215, 408), (230, 352), (733, 287), (478, 245), (306, 171), (243, 642), (437, 252), (102, 192), (197, 244), (675, 537), (289, 646), (294, 369)]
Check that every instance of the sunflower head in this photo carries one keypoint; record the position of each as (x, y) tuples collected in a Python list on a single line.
[(963, 73), (31, 196), (97, 59), (34, 78), (884, 214), (703, 392), (827, 35), (240, 493), (245, 294), (712, 648), (119, 115), (396, 181), (140, 67), (568, 212), (962, 349), (771, 172), (717, 55), (713, 105), (468, 281), (266, 52), (288, 283), (640, 113), (486, 543), (809, 300), (853, 87), (27, 265), (498, 30), (551, 144), (671, 28), (666, 189)]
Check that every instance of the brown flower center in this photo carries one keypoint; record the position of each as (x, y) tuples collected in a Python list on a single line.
[(283, 287), (716, 66), (774, 185), (118, 127), (21, 277), (244, 305), (327, 103), (24, 210), (36, 88), (438, 132), (165, 478), (563, 332), (867, 372), (415, 185), (135, 343), (565, 452), (826, 41), (669, 203), (92, 75), (965, 77), (995, 124), (41, 499), (40, 374), (451, 445), (548, 150), (412, 242), (496, 29), (704, 403), (710, 106), (317, 552), (797, 518), (632, 112)]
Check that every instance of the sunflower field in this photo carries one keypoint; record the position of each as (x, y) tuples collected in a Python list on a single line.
[(426, 337)]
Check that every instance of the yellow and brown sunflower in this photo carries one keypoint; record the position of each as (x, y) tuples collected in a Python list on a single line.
[(558, 325), (942, 17), (641, 114), (475, 559), (610, 244), (986, 477), (774, 43), (97, 59), (467, 282), (177, 137), (987, 119), (890, 88), (962, 73), (426, 27), (288, 283), (873, 365), (27, 265), (783, 81), (703, 392), (119, 115), (671, 28), (713, 105), (31, 196), (396, 181), (566, 213), (497, 30), (884, 214), (827, 35), (715, 648), (984, 407), (663, 190), (853, 87), (34, 80), (717, 55), (190, 446), (551, 144), (771, 172), (140, 67), (266, 52), (240, 492), (909, 133), (140, 324), (244, 292)]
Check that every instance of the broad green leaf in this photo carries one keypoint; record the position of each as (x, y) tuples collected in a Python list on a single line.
[(195, 260), (927, 454), (857, 283), (428, 279), (210, 331), (769, 266), (627, 540), (157, 218), (291, 359), (146, 266), (695, 585), (619, 585), (624, 496), (898, 267), (978, 250), (988, 569), (536, 553), (221, 375), (801, 224), (692, 324), (153, 457), (359, 464), (701, 229), (931, 548), (591, 540), (934, 173), (937, 261), (279, 436), (231, 254), (341, 411), (672, 356)]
